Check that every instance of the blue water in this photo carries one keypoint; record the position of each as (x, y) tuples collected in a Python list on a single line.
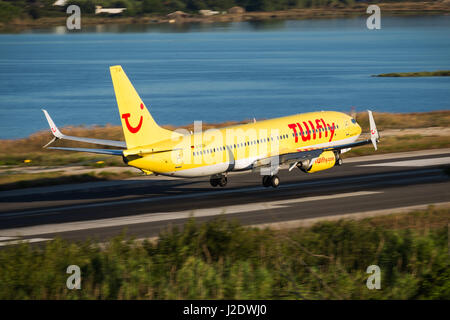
[(222, 72)]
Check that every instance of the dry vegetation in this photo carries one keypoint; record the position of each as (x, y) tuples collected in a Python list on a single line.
[(386, 120), (402, 144), (14, 152)]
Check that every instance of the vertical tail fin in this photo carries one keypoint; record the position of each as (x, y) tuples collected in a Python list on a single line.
[(138, 125)]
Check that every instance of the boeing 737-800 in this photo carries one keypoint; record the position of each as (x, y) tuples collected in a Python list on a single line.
[(309, 141)]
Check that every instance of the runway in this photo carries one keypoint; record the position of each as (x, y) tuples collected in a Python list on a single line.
[(146, 205)]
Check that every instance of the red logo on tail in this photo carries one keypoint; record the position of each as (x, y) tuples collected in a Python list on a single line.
[(125, 116)]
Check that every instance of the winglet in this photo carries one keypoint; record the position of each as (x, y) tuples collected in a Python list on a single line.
[(52, 125), (374, 136)]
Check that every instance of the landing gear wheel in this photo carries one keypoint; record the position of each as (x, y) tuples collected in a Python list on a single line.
[(274, 181), (339, 162), (266, 181), (218, 180), (214, 182), (223, 181)]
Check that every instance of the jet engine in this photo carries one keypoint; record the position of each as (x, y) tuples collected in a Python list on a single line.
[(325, 161)]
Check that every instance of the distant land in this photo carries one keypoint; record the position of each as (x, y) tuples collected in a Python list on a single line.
[(438, 73), (17, 15)]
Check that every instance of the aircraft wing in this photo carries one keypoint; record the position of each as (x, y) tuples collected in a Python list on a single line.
[(291, 157), (302, 155), (58, 135)]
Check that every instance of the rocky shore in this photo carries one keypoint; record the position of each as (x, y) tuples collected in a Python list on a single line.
[(333, 11)]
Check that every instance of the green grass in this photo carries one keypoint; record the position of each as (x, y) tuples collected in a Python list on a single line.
[(438, 73), (224, 260)]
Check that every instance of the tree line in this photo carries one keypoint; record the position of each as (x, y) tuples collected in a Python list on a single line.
[(10, 9)]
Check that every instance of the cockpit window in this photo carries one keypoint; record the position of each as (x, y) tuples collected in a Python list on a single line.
[(353, 121)]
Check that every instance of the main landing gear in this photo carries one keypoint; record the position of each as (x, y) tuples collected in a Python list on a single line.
[(271, 181), (220, 180)]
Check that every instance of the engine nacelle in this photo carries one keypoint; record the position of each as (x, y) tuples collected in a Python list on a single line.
[(325, 161)]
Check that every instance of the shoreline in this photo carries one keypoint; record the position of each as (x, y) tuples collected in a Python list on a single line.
[(330, 12)]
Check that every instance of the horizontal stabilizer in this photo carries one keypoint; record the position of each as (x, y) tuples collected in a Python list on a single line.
[(59, 135), (142, 151), (100, 151)]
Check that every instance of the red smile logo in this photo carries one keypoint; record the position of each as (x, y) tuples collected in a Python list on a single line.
[(130, 128)]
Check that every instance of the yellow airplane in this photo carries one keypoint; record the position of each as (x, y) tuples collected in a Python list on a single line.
[(310, 141)]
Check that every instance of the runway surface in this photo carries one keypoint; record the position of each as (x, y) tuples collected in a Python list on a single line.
[(146, 205)]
